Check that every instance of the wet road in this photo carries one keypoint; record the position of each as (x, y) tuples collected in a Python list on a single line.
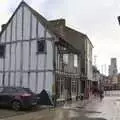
[(107, 109)]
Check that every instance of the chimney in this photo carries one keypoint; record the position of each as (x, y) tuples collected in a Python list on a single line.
[(59, 25), (3, 26), (61, 22)]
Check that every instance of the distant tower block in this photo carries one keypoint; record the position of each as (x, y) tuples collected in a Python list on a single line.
[(113, 67)]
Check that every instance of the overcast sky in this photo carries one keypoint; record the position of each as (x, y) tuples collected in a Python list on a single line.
[(96, 18)]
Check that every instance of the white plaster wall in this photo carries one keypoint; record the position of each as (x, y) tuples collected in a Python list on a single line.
[(33, 55), (33, 82), (14, 28), (1, 64), (12, 79), (13, 57), (25, 80), (17, 79), (41, 30), (8, 38), (1, 77), (3, 37), (34, 22), (41, 60), (49, 81), (25, 55), (7, 57), (18, 56), (49, 55), (26, 35), (40, 82), (19, 24), (6, 79)]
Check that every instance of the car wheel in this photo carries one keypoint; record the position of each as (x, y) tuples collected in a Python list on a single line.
[(16, 105)]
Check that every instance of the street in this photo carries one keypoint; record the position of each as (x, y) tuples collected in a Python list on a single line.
[(59, 60), (107, 109)]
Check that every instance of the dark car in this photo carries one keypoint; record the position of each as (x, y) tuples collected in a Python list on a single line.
[(17, 97)]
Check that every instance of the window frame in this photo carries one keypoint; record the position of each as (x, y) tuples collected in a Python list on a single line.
[(4, 48), (45, 47), (64, 59)]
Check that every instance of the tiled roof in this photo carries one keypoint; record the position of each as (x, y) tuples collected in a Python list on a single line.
[(69, 34)]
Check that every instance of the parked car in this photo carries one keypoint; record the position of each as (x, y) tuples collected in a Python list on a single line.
[(17, 97)]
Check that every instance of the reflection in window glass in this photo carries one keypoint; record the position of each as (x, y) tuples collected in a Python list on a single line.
[(40, 46), (1, 90), (65, 58), (2, 50), (75, 61)]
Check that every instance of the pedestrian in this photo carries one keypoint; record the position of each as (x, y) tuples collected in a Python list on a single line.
[(101, 94), (95, 92)]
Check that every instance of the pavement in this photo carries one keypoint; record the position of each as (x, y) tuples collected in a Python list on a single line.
[(94, 109)]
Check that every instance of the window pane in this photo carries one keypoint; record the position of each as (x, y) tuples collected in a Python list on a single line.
[(41, 46), (2, 51), (1, 90), (75, 61), (65, 58), (9, 90)]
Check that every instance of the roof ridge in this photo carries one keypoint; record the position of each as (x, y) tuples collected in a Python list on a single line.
[(82, 34), (44, 21), (75, 30), (37, 14)]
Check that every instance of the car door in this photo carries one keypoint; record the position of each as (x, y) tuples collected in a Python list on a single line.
[(7, 95)]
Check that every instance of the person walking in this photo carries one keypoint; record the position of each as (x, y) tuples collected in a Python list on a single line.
[(101, 94)]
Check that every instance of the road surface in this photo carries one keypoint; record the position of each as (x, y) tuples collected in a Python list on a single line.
[(107, 109)]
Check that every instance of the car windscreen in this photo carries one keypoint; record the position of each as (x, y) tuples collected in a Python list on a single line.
[(28, 90), (23, 90), (9, 90)]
